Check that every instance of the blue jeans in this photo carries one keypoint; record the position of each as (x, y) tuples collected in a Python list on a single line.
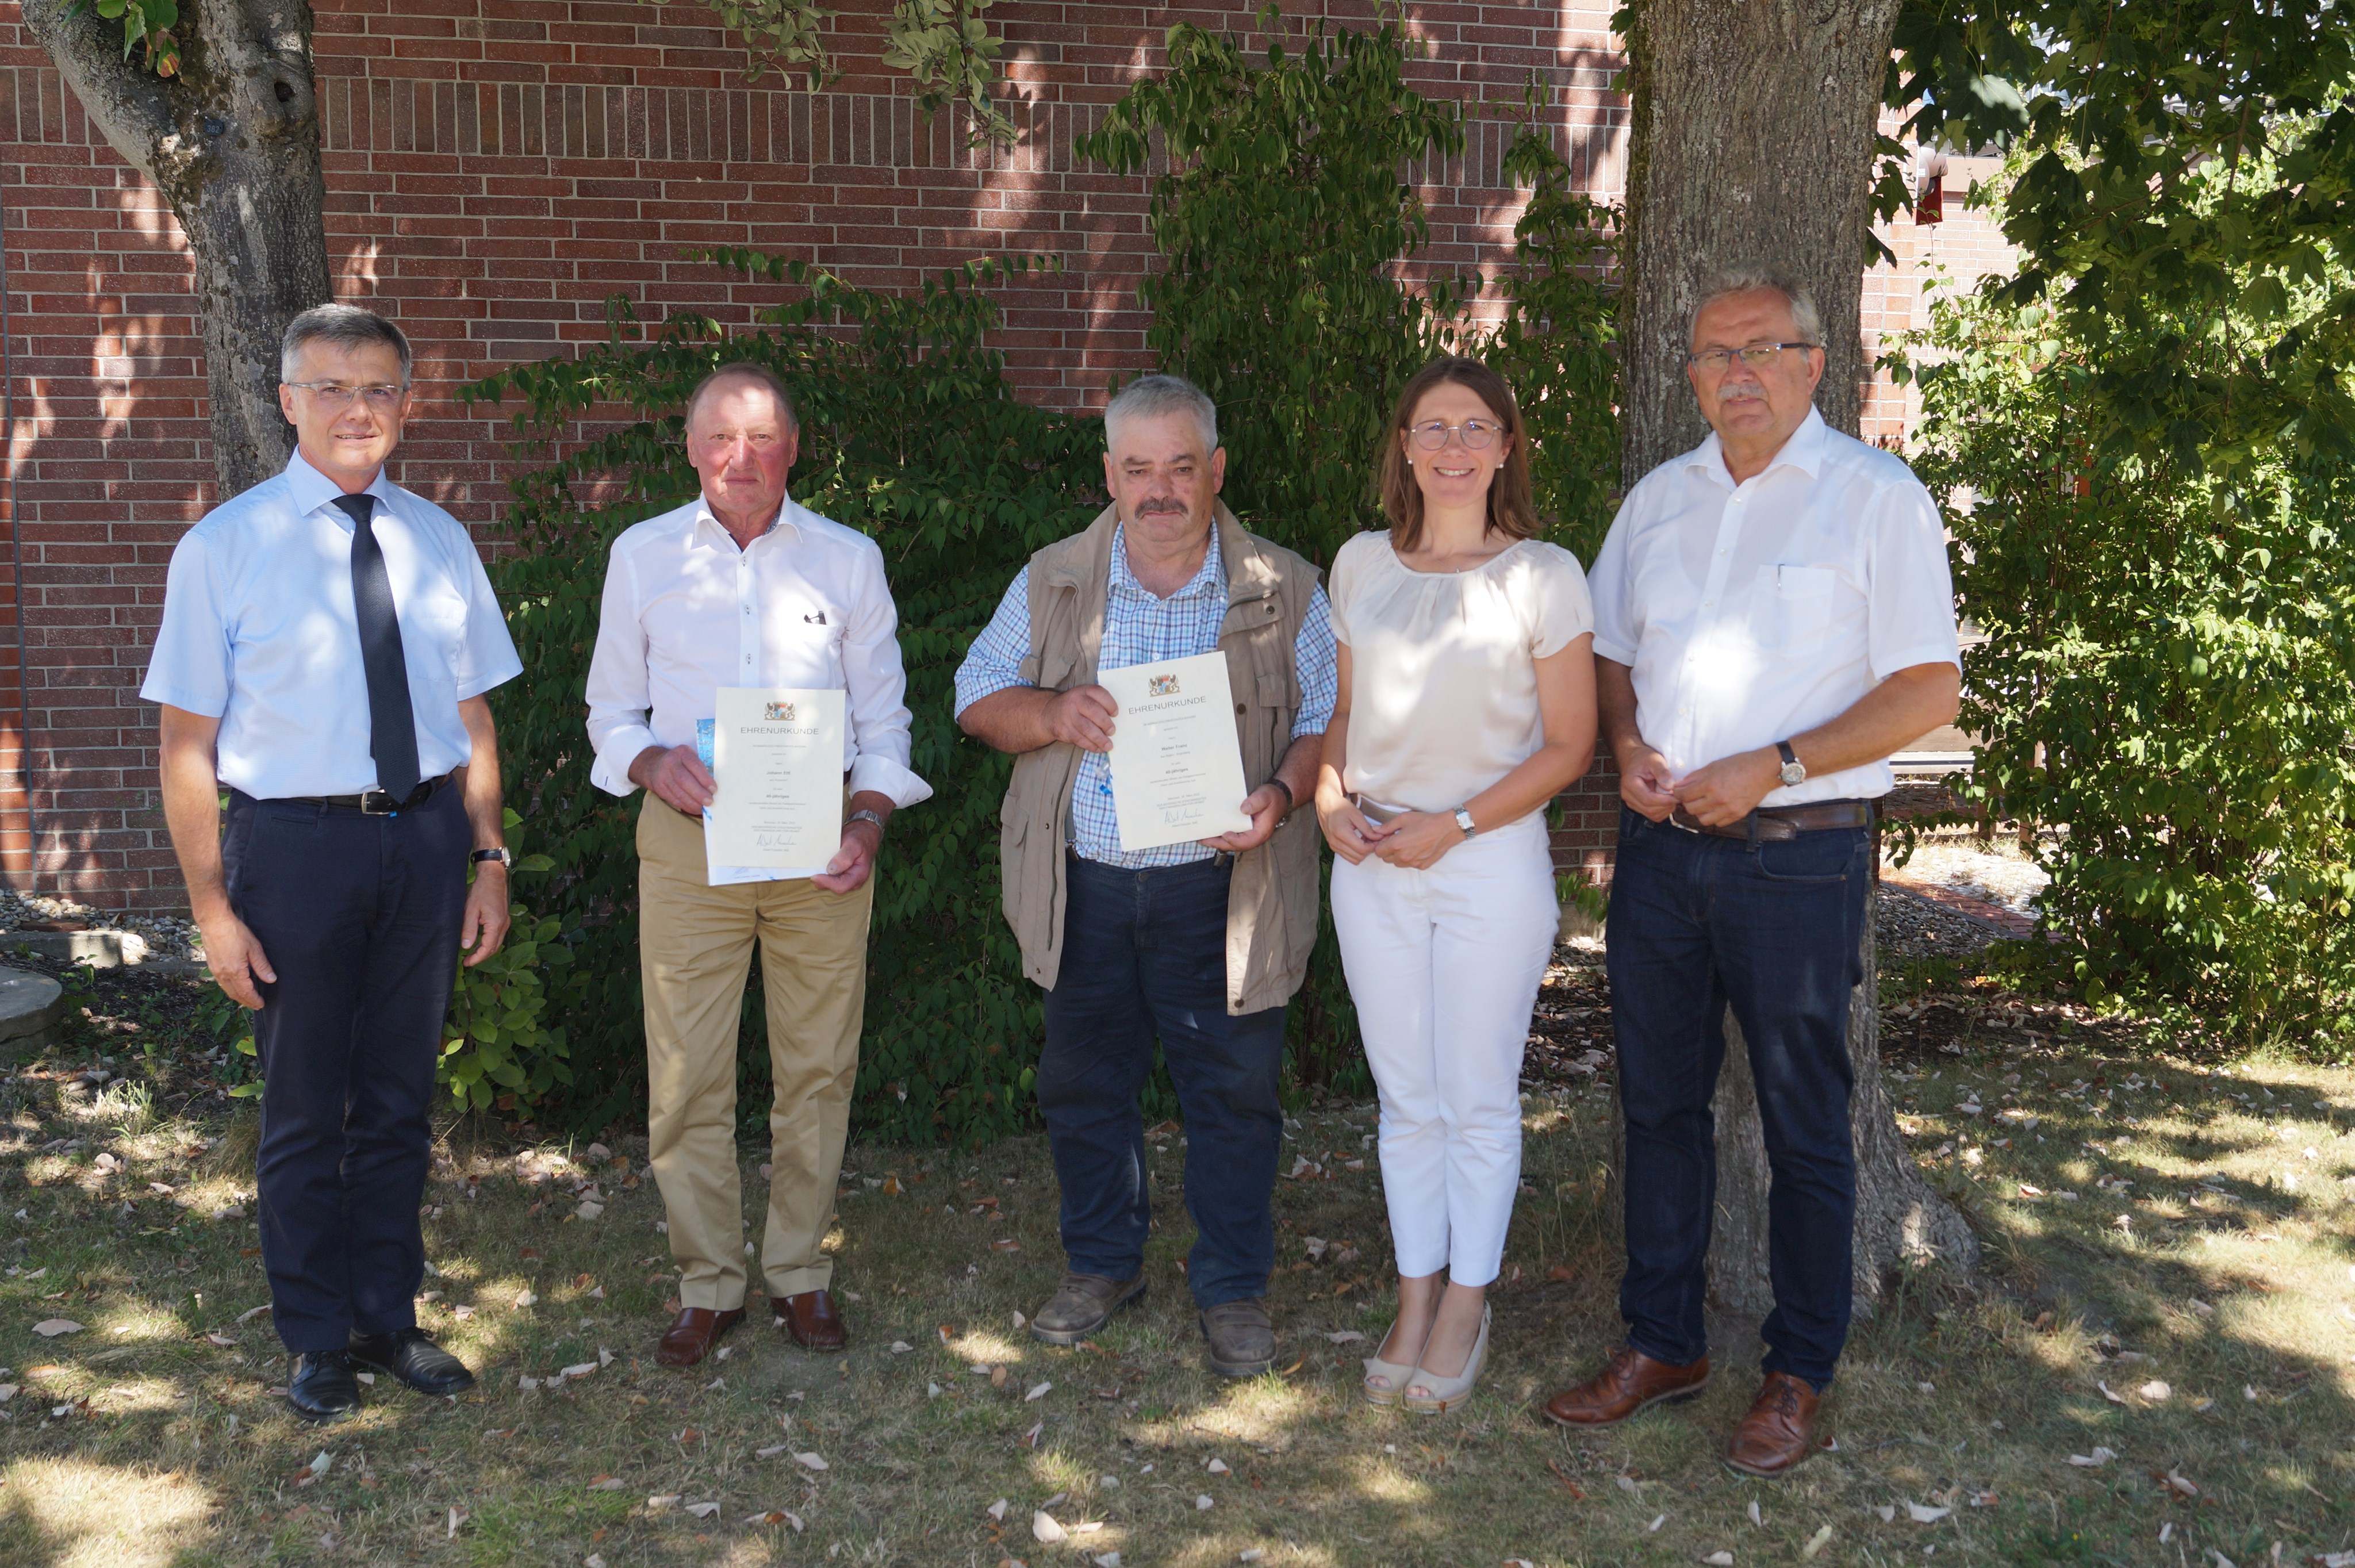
[(1698, 923), (1144, 955)]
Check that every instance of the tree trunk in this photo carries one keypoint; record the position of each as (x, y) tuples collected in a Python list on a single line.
[(232, 141), (1753, 145), (1899, 1220)]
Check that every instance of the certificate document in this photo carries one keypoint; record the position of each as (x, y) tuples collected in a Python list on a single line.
[(777, 757), (1177, 767)]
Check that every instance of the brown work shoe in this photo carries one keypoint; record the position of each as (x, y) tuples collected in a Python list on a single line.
[(1778, 1432), (1240, 1339), (811, 1319), (1630, 1382), (1082, 1304), (692, 1333)]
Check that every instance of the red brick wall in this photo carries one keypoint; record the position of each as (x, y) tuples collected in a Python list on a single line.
[(495, 170)]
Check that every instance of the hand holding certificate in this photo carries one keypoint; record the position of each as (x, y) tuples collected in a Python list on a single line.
[(777, 757), (1176, 766)]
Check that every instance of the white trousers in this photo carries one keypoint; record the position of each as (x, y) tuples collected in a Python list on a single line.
[(1445, 966)]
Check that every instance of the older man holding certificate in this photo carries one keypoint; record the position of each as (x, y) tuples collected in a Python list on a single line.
[(747, 675), (1164, 679)]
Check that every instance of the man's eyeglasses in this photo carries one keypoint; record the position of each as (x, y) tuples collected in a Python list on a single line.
[(383, 397), (1757, 356), (1478, 434)]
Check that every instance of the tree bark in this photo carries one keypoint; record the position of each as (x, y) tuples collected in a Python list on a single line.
[(232, 141), (1751, 144), (1899, 1220)]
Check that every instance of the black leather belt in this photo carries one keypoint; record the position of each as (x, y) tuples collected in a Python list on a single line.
[(1780, 824), (374, 802)]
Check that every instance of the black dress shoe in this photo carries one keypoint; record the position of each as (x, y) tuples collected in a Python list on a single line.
[(411, 1355), (322, 1387)]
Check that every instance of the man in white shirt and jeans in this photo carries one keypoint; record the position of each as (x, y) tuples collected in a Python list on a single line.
[(742, 587), (1772, 618)]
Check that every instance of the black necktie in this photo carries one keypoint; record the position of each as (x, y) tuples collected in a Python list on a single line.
[(392, 726)]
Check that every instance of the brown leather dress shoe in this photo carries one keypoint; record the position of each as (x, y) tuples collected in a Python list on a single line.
[(1778, 1432), (692, 1333), (811, 1319), (1631, 1382)]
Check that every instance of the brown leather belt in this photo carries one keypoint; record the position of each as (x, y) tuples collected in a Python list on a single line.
[(1780, 824)]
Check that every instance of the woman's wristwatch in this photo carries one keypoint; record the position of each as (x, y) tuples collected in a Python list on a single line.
[(1464, 820)]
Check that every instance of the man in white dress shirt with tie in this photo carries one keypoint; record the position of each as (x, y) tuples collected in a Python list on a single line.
[(1772, 618), (326, 643), (743, 588)]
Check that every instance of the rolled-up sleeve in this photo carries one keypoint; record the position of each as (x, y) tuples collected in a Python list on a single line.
[(993, 663), (1607, 591), (876, 684), (1318, 667), (1910, 611), (190, 667), (619, 700)]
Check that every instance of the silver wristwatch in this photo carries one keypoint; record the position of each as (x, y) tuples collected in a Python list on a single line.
[(1463, 821), (862, 815), (1792, 771)]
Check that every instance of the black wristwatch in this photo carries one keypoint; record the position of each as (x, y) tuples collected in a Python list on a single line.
[(1290, 800), (500, 855)]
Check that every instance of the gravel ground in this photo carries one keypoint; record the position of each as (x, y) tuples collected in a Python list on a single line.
[(1908, 925), (1997, 872), (166, 937)]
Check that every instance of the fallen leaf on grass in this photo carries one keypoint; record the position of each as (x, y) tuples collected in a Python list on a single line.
[(809, 1462), (662, 1500), (457, 1518), (1817, 1541), (50, 1328), (1046, 1531), (606, 1484), (580, 1369), (996, 1512), (2094, 1460), (1218, 1467), (592, 1560), (1719, 1560), (1201, 1501), (1756, 1518), (462, 1313), (1922, 1515), (1030, 1438), (771, 1453), (703, 1510), (525, 1298), (2156, 1391), (223, 1340), (1658, 1520), (1888, 1512), (1346, 1336), (2109, 1393), (2174, 1482), (776, 1516), (1005, 1244)]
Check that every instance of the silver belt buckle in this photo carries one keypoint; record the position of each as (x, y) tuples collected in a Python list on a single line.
[(377, 802)]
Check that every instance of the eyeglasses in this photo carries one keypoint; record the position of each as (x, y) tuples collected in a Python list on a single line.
[(1478, 434), (1757, 356), (383, 397)]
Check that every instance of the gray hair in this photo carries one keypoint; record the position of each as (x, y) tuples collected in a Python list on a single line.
[(345, 326), (759, 375), (1152, 397), (1729, 281)]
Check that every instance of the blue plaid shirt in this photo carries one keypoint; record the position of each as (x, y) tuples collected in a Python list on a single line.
[(1141, 629)]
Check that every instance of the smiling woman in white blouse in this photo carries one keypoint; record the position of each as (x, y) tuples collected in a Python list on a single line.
[(1466, 703)]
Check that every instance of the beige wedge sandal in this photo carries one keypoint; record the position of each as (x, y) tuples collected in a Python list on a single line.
[(1393, 1376), (1442, 1394)]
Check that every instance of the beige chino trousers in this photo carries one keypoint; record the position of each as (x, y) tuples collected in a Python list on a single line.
[(695, 945)]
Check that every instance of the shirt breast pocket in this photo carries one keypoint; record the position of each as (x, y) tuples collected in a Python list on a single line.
[(1790, 608)]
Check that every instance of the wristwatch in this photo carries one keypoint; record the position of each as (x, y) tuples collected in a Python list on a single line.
[(500, 855), (1793, 772), (865, 816), (1464, 820)]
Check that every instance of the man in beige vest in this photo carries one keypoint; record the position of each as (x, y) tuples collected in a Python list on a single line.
[(1198, 944)]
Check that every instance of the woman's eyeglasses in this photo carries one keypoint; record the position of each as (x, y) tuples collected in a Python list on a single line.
[(1478, 436)]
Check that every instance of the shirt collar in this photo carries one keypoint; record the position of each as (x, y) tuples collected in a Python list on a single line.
[(314, 490), (1212, 577), (1804, 451), (704, 518)]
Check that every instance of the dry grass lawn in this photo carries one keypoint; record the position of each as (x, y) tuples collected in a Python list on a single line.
[(2169, 1289)]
